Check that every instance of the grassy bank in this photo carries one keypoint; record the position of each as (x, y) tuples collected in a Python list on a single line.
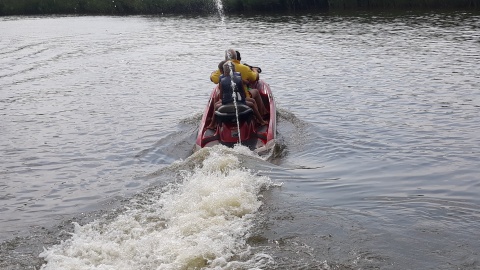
[(19, 7)]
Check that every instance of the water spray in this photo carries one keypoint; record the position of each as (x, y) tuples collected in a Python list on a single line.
[(219, 5), (235, 94)]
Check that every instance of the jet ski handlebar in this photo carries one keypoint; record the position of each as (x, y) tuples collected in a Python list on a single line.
[(259, 70)]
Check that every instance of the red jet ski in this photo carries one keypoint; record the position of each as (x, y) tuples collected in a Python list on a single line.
[(258, 138)]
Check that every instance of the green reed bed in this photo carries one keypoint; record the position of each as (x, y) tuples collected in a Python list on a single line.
[(17, 7), (292, 5), (14, 7)]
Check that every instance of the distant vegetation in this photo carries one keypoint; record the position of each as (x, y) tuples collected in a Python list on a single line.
[(18, 7)]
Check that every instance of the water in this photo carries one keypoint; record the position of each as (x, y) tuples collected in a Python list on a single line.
[(377, 166), (221, 12), (235, 97), (201, 218)]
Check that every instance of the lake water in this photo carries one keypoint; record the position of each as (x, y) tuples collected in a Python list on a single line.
[(377, 164)]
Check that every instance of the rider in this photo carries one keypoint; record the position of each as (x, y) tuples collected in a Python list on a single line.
[(249, 76), (231, 86)]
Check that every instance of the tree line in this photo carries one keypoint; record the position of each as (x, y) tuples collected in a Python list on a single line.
[(123, 7)]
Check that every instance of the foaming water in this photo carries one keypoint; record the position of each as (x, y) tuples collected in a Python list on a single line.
[(200, 220)]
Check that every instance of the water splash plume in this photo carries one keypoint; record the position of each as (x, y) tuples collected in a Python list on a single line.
[(219, 5), (200, 220)]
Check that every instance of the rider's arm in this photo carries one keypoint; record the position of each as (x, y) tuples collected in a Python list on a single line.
[(258, 74), (215, 76), (248, 74)]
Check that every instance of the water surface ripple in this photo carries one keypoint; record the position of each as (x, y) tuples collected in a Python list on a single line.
[(378, 114)]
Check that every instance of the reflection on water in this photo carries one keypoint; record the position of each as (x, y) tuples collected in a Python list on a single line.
[(377, 120)]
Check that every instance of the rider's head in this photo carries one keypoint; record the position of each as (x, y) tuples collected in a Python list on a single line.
[(220, 66), (238, 56), (230, 54)]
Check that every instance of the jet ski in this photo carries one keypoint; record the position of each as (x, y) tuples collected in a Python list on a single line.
[(236, 124)]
